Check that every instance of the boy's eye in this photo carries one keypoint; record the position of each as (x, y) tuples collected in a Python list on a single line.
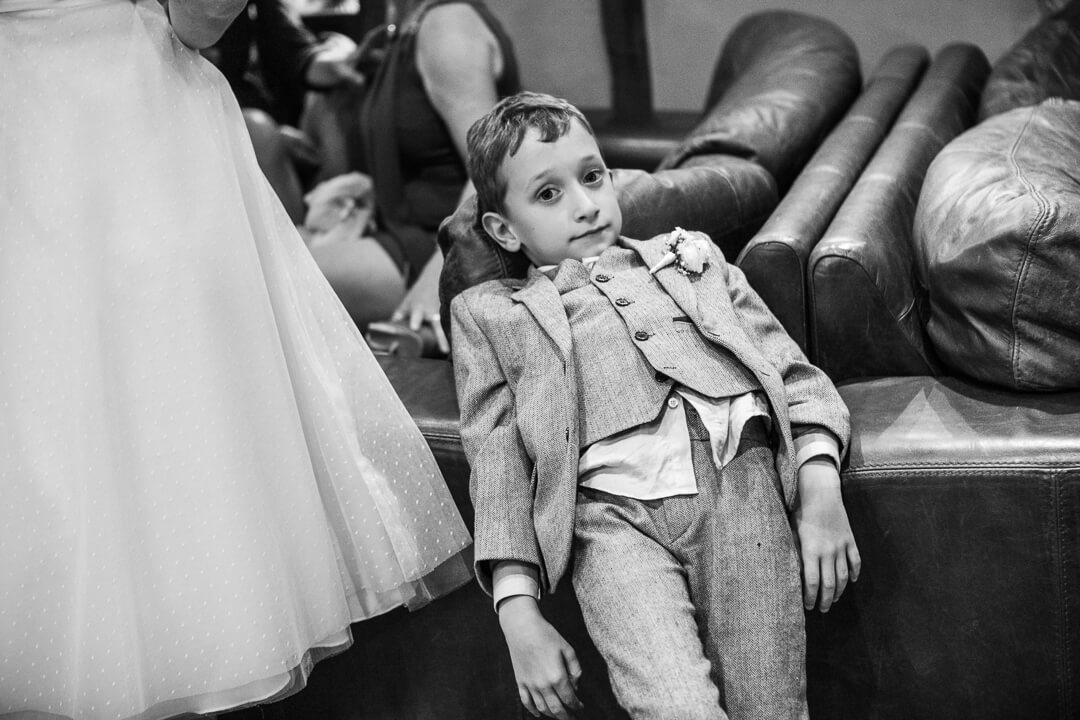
[(547, 194), (594, 177)]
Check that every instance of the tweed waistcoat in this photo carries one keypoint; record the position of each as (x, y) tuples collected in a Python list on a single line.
[(631, 342), (618, 388)]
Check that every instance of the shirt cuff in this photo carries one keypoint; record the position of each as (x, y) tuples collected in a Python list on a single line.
[(510, 578), (816, 443)]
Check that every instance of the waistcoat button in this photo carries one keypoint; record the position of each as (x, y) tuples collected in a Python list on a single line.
[(641, 335), (622, 302), (602, 277)]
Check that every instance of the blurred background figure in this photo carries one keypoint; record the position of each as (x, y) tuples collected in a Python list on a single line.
[(364, 141), (438, 65), (272, 61)]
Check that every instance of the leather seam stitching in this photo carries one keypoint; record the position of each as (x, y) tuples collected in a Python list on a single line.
[(1061, 542), (1039, 222), (960, 469)]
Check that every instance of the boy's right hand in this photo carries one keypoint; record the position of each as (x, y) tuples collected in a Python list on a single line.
[(545, 665)]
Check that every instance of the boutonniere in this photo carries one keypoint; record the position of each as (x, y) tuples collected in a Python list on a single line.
[(688, 250)]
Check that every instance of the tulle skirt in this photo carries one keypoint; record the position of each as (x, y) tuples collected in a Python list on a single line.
[(204, 475)]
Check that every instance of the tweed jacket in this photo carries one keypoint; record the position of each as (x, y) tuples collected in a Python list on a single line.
[(517, 389)]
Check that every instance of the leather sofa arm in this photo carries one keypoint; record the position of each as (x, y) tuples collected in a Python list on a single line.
[(866, 315), (782, 81), (775, 259)]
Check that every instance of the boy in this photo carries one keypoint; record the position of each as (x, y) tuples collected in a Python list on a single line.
[(624, 402)]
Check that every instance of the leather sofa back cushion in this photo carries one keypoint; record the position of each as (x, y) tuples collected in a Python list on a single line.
[(997, 240), (1045, 63)]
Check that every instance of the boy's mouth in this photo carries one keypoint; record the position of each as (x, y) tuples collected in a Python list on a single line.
[(590, 233)]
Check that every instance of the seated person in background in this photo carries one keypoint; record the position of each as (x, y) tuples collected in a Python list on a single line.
[(271, 85), (447, 63), (636, 403)]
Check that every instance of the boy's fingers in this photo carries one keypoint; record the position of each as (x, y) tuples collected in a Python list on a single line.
[(573, 667), (567, 696), (828, 585), (854, 561), (811, 579), (527, 701), (841, 575), (555, 707), (540, 704)]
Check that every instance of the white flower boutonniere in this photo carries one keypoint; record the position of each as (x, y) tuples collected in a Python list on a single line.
[(688, 250)]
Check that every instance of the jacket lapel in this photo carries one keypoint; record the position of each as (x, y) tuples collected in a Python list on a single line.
[(678, 286), (542, 299)]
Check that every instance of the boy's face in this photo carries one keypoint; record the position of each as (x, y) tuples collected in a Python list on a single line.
[(560, 202)]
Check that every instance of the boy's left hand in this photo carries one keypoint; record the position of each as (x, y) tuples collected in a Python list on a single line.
[(829, 556)]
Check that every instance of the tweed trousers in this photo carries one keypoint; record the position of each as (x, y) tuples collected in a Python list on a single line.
[(694, 600)]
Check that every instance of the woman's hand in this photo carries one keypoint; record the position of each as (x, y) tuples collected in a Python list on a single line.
[(334, 63), (545, 666), (830, 558), (421, 302)]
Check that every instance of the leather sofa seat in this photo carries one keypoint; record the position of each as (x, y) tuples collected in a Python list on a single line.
[(965, 502), (776, 258), (865, 302), (997, 244)]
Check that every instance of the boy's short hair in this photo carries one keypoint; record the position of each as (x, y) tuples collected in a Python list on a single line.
[(498, 135)]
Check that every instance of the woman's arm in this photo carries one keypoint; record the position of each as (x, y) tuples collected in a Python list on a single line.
[(459, 61), (201, 23)]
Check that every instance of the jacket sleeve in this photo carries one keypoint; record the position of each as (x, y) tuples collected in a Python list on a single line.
[(502, 480), (812, 397)]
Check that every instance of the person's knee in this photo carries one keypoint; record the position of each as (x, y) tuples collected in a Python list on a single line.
[(684, 690), (694, 713), (364, 278), (265, 135), (681, 708)]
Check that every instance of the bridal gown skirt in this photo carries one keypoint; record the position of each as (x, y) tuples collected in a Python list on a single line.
[(204, 475)]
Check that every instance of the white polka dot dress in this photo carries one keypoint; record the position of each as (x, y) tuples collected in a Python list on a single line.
[(204, 475)]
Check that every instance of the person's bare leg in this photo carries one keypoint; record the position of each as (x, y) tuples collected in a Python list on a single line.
[(364, 277), (275, 161)]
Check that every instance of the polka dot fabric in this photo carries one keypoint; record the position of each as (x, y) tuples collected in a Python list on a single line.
[(204, 475)]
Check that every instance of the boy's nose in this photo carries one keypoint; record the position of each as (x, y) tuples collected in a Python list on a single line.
[(586, 208)]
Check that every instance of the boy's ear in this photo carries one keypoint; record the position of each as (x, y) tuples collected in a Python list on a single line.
[(499, 230)]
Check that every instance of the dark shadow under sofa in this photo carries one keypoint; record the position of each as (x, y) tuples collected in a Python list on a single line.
[(964, 497)]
